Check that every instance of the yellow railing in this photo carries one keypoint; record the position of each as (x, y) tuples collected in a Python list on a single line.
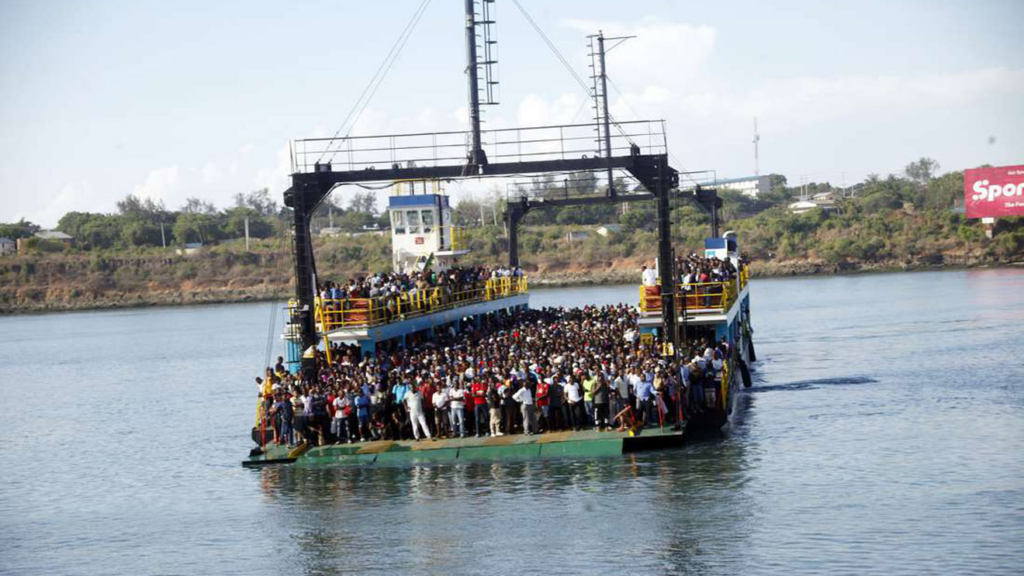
[(458, 237), (723, 393), (367, 312), (702, 297)]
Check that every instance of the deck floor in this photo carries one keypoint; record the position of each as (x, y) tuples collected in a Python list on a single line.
[(585, 443)]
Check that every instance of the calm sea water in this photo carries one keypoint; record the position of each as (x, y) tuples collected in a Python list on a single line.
[(884, 435)]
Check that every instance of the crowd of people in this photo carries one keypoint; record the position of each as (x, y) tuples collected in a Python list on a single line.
[(532, 372), (696, 269), (702, 279), (418, 290)]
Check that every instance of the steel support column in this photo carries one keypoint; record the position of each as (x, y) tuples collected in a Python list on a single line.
[(666, 263), (514, 214)]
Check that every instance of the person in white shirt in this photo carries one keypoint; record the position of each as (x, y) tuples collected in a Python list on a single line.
[(649, 276), (414, 402), (440, 401), (525, 397), (620, 385), (572, 395), (457, 403)]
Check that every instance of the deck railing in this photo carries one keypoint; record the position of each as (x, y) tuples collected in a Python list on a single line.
[(369, 312), (700, 297)]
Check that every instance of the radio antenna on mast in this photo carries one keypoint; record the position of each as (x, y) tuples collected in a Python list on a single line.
[(757, 138)]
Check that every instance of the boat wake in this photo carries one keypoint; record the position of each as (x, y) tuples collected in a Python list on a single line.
[(812, 384)]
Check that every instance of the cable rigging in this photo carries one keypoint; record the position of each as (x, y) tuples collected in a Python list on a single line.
[(375, 82)]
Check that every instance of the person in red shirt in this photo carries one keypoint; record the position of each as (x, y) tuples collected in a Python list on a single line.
[(479, 394), (542, 402), (427, 389)]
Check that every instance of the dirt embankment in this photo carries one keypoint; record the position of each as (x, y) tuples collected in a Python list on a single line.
[(79, 282)]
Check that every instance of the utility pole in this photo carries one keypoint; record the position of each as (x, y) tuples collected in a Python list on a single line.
[(246, 233), (163, 239)]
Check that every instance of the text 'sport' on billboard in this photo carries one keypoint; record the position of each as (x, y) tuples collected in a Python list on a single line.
[(994, 192)]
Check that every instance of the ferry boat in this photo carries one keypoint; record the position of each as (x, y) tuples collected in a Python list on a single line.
[(423, 235), (709, 312)]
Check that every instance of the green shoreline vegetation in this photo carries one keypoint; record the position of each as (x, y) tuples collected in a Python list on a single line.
[(899, 222)]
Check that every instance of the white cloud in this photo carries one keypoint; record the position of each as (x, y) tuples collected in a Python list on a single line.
[(160, 184), (535, 110), (72, 196), (211, 173), (276, 179), (661, 50)]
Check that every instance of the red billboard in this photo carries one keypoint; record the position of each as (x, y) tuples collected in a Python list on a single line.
[(994, 192)]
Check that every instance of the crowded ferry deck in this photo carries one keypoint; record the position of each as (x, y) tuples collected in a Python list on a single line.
[(435, 357), (517, 383)]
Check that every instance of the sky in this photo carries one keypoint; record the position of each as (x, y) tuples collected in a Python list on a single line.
[(170, 100)]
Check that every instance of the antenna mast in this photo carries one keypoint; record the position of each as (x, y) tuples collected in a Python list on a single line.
[(757, 138), (477, 157), (600, 92)]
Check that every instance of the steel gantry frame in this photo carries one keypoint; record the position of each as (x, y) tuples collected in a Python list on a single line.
[(310, 185)]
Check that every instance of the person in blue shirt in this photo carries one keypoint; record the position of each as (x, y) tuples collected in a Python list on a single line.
[(645, 397), (363, 414)]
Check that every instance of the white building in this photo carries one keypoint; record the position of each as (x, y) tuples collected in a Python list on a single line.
[(53, 235), (752, 186), (608, 229), (7, 246)]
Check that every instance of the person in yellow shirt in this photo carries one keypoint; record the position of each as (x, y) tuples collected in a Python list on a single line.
[(589, 384)]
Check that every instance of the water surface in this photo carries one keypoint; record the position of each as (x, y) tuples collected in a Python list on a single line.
[(884, 435)]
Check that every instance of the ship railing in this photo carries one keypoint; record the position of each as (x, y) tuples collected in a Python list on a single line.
[(458, 237), (335, 314), (699, 297), (503, 145)]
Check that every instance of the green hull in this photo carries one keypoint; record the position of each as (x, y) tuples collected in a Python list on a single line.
[(584, 444)]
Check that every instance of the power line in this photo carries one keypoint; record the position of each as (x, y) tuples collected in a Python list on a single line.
[(553, 48), (675, 160), (378, 78)]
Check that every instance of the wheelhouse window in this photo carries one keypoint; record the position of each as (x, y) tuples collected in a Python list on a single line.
[(428, 221), (412, 220), (398, 222)]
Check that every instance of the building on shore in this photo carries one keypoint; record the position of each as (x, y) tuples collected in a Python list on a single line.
[(607, 229), (54, 235), (8, 246), (825, 201), (752, 186)]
